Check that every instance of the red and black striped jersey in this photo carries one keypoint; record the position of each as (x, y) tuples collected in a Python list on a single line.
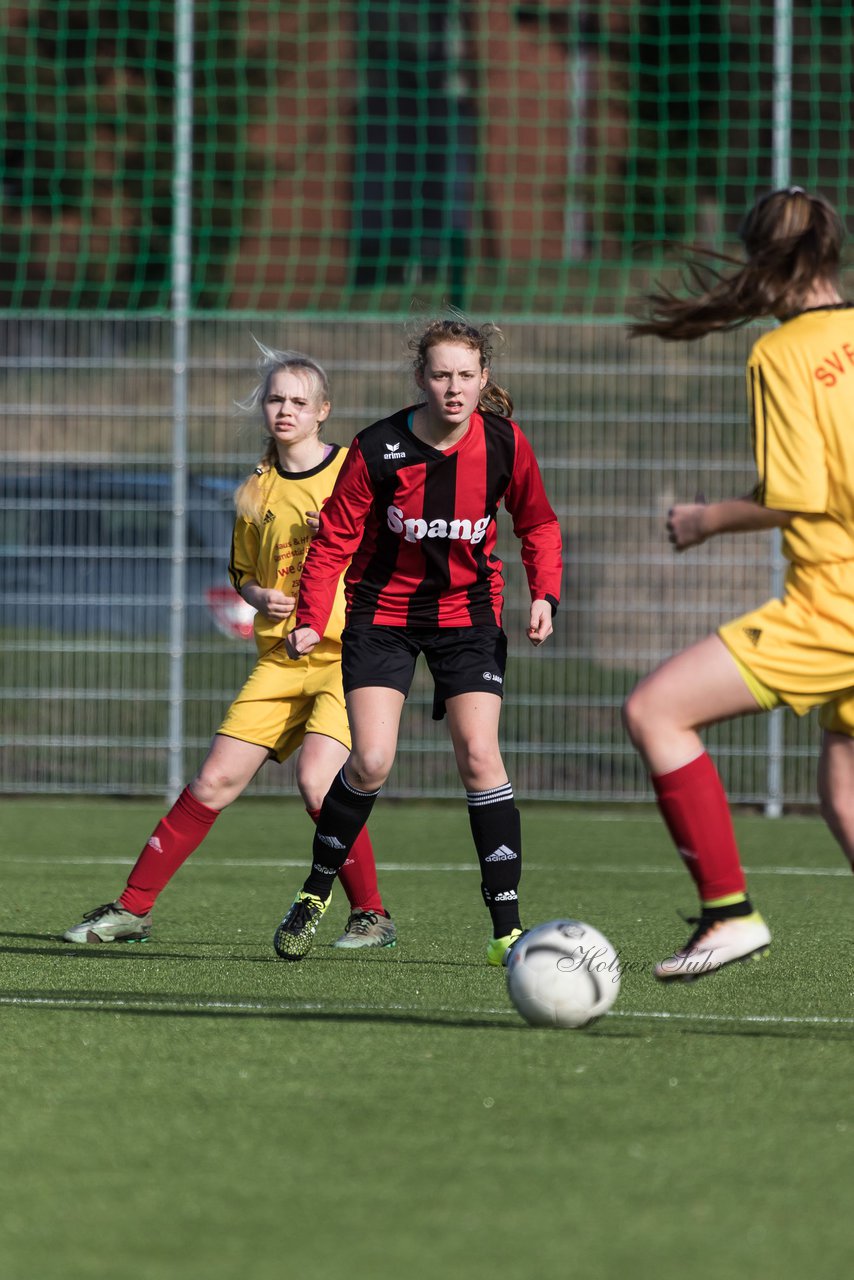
[(420, 526)]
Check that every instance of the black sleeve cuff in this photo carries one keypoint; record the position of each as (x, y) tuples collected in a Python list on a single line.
[(553, 602)]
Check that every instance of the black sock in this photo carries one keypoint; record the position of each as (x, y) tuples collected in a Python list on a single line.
[(497, 832), (342, 815)]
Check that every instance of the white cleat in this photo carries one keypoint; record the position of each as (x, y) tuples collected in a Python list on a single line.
[(367, 929), (713, 944), (110, 923)]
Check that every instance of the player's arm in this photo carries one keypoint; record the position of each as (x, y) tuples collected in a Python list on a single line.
[(274, 604), (536, 526), (691, 523), (243, 568), (342, 524)]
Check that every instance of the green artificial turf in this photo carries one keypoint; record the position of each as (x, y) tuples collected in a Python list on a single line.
[(196, 1108)]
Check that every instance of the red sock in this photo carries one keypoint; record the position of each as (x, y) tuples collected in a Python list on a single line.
[(358, 875), (173, 840), (694, 806)]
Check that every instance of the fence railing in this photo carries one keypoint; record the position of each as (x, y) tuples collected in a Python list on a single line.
[(88, 449)]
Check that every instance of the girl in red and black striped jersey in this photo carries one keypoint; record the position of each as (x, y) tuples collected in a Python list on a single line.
[(414, 511)]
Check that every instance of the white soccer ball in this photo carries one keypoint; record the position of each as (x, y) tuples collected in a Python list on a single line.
[(563, 974)]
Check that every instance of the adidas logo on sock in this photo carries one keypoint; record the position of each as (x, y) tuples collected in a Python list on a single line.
[(501, 854), (324, 871), (332, 841), (509, 895), (155, 844)]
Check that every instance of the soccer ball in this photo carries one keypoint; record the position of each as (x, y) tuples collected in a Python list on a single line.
[(563, 974)]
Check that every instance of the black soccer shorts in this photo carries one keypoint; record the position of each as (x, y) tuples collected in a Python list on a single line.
[(461, 659)]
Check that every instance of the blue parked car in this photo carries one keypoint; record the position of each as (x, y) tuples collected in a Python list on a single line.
[(87, 550)]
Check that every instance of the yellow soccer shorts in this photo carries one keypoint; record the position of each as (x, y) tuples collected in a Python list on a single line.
[(282, 701), (800, 650)]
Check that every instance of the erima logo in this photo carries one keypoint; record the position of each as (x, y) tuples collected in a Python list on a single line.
[(332, 841), (393, 450), (509, 895), (501, 854), (753, 634), (490, 675), (455, 530), (269, 516)]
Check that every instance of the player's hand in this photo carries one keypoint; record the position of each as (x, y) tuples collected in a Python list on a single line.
[(540, 625), (312, 519), (686, 524), (300, 642), (275, 605)]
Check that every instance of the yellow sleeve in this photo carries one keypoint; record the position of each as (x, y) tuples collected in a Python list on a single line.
[(788, 445), (245, 546)]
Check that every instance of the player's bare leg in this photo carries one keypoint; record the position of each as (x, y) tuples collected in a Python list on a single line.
[(226, 771), (696, 688), (836, 789), (374, 716)]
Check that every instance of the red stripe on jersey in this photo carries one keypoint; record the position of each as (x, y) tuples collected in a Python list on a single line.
[(471, 574)]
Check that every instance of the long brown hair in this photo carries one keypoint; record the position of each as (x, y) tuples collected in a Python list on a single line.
[(492, 399), (792, 241), (249, 497)]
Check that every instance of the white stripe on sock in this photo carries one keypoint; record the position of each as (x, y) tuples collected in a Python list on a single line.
[(476, 799)]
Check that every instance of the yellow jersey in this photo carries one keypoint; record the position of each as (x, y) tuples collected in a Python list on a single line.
[(800, 379), (272, 549)]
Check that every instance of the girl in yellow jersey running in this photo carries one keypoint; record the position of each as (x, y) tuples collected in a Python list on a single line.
[(284, 705), (797, 651)]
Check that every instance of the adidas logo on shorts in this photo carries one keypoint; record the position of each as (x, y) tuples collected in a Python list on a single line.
[(501, 854)]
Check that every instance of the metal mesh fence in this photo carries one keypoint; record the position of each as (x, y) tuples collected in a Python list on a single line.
[(511, 157), (177, 176), (621, 429)]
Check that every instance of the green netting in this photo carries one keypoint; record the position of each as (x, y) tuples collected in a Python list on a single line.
[(506, 157)]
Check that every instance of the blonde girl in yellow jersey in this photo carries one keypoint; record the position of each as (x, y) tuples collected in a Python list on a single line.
[(797, 651), (285, 705)]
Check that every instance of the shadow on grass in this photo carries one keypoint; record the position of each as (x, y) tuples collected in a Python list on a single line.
[(112, 951), (163, 1005), (207, 951)]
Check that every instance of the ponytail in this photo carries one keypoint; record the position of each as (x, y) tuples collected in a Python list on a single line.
[(494, 399), (792, 240), (250, 495)]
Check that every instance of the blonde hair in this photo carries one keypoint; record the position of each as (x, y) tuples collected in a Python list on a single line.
[(250, 495), (792, 241), (492, 399)]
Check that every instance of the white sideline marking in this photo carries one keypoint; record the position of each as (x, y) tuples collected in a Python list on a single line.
[(254, 1006), (676, 868)]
